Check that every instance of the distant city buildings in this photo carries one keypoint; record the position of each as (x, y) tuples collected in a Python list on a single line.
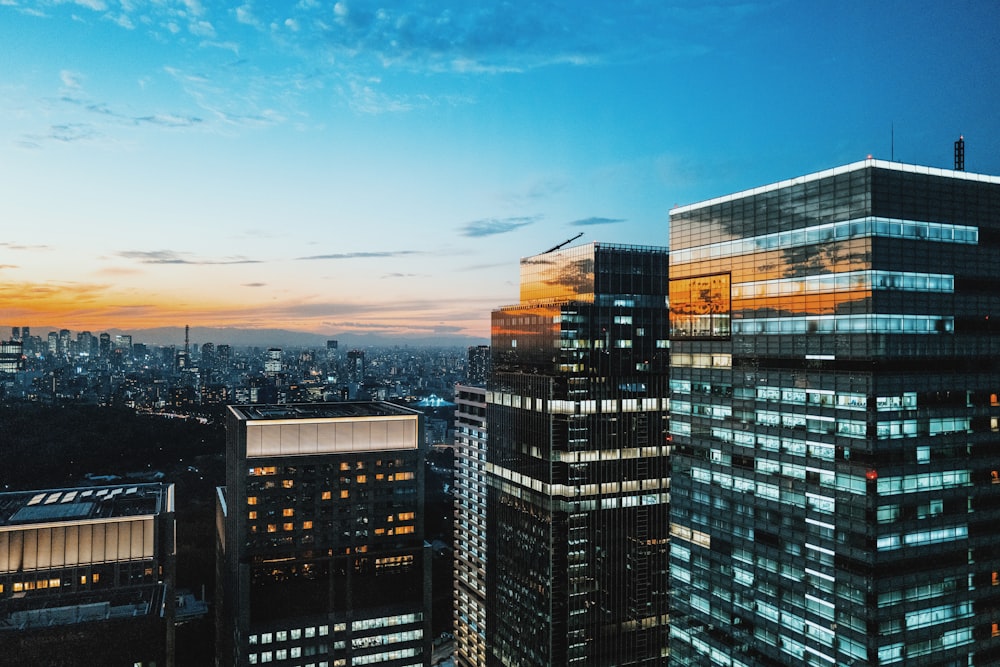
[(479, 364), (87, 576), (272, 363), (11, 356), (577, 463), (470, 526), (322, 558), (835, 373)]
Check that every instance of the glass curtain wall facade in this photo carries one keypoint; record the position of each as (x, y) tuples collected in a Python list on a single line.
[(836, 423), (470, 526), (322, 559), (577, 464)]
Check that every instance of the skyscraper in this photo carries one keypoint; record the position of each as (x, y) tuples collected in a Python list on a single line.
[(470, 526), (322, 559), (479, 364), (835, 375), (87, 576), (577, 462)]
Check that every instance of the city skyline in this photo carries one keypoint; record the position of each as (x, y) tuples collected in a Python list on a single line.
[(358, 168)]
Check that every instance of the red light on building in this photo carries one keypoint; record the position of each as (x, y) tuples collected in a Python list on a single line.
[(871, 475)]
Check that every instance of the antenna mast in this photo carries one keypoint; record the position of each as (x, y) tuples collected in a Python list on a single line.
[(556, 247)]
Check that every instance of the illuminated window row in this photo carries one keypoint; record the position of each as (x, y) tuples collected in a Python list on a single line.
[(717, 657), (835, 231), (840, 481), (864, 323), (900, 651), (386, 621), (683, 360), (928, 481), (294, 634), (920, 538), (382, 640), (848, 281)]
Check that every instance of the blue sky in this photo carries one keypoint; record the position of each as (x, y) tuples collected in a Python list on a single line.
[(382, 166)]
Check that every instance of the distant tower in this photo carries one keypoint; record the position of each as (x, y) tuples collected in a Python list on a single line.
[(223, 355), (272, 364), (331, 350), (960, 154), (84, 343), (15, 333), (479, 364), (356, 366), (11, 356), (183, 359), (104, 345), (207, 360)]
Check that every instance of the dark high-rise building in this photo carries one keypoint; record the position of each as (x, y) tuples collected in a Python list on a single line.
[(11, 356), (577, 462), (223, 357), (104, 345), (479, 364), (87, 576), (84, 343), (206, 361), (470, 526), (356, 366), (835, 373), (322, 558)]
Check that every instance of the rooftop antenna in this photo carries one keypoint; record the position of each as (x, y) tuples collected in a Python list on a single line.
[(556, 247), (892, 142), (960, 154)]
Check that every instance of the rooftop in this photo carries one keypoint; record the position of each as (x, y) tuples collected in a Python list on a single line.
[(861, 164), (65, 505), (318, 410)]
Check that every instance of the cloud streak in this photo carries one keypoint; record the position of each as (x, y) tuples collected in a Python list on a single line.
[(494, 226), (362, 255), (173, 257), (586, 222)]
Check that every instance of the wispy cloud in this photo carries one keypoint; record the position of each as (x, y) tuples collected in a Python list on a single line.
[(71, 80), (173, 257), (363, 255), (254, 285), (493, 226), (403, 275), (585, 222), (22, 246)]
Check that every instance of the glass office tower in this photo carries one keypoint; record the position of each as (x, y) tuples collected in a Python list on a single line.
[(577, 463), (836, 422), (320, 541)]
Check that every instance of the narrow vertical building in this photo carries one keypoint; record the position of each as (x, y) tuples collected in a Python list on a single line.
[(470, 526), (322, 559), (577, 462), (835, 376)]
